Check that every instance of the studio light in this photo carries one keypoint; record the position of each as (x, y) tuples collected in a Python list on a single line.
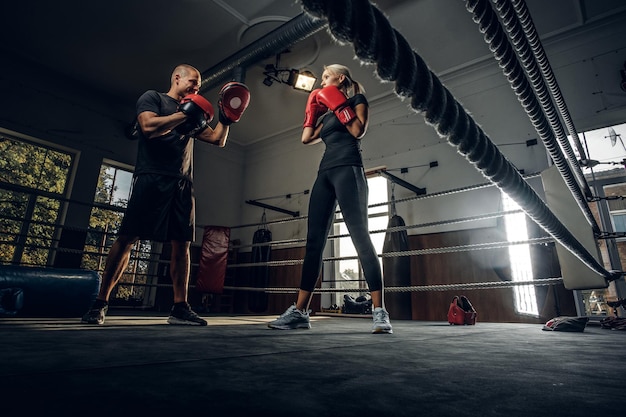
[(303, 80), (300, 80)]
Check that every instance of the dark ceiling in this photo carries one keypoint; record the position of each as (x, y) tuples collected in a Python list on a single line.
[(119, 49)]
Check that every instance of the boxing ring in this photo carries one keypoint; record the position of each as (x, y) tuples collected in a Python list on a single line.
[(518, 53)]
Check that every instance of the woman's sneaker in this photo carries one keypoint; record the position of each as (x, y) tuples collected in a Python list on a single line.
[(381, 321), (183, 314), (291, 319)]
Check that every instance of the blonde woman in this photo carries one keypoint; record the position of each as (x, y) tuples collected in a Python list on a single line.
[(337, 114)]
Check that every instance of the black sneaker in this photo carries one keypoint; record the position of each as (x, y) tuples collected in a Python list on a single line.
[(183, 314), (96, 314)]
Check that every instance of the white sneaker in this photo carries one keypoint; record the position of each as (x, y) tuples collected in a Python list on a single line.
[(381, 321), (291, 319)]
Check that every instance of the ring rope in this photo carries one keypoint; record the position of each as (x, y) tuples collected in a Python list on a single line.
[(415, 252), (388, 203), (355, 21), (390, 229), (414, 288)]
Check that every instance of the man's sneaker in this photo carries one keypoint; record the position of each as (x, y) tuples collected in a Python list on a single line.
[(96, 314), (291, 319), (183, 314), (381, 321)]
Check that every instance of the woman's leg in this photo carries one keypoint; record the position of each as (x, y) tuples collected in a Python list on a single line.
[(352, 193), (322, 205)]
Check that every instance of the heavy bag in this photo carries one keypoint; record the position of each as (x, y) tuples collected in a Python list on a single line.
[(213, 260), (51, 292), (259, 275), (397, 271)]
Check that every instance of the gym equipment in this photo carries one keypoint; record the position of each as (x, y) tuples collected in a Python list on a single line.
[(51, 292)]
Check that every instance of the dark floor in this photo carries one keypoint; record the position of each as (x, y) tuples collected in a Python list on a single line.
[(137, 364)]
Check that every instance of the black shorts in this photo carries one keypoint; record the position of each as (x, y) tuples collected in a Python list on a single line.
[(161, 208)]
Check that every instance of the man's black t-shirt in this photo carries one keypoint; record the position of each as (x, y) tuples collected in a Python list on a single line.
[(170, 154)]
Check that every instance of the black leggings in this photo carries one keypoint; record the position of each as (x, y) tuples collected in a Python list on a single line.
[(347, 186)]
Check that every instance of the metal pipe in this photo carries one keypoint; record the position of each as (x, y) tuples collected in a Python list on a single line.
[(275, 42)]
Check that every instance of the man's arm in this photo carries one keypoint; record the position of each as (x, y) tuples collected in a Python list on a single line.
[(217, 136), (154, 126)]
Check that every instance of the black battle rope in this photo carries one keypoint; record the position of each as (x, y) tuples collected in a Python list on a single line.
[(375, 41), (494, 36), (540, 55)]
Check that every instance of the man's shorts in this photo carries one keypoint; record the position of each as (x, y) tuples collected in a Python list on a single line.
[(161, 208)]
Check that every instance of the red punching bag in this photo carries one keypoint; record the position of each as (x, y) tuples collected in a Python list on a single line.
[(213, 260)]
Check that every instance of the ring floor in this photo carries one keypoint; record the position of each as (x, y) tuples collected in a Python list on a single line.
[(138, 364)]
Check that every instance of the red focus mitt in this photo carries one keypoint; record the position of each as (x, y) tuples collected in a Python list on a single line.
[(234, 98)]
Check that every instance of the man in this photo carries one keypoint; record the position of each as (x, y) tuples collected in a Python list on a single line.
[(161, 206)]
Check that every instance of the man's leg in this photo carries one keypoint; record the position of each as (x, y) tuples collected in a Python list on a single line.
[(179, 271), (116, 263)]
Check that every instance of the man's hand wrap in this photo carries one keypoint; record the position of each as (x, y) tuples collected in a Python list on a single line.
[(234, 98)]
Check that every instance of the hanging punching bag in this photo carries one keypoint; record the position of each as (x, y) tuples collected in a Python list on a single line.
[(213, 260), (257, 302), (397, 271)]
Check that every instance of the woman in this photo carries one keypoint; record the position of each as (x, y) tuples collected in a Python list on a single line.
[(340, 179)]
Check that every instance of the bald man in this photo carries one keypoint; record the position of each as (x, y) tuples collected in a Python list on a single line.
[(161, 206)]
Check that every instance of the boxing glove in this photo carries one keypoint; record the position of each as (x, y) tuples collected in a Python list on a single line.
[(331, 97), (199, 112), (313, 109), (234, 98)]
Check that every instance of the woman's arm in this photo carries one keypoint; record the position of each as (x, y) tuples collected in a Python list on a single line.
[(311, 135), (358, 126)]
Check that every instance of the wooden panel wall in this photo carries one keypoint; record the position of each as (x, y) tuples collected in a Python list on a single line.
[(492, 305)]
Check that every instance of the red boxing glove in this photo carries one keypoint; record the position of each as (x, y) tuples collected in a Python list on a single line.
[(313, 109), (192, 104), (234, 99), (335, 100), (199, 113)]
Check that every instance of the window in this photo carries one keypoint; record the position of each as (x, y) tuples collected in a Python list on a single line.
[(33, 183), (519, 255), (348, 273), (606, 148), (110, 200)]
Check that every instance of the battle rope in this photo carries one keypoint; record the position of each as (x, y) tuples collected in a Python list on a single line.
[(376, 42), (540, 55), (505, 55)]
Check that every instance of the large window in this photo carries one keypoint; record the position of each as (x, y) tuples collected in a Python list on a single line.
[(348, 273), (111, 198), (33, 182), (519, 256)]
